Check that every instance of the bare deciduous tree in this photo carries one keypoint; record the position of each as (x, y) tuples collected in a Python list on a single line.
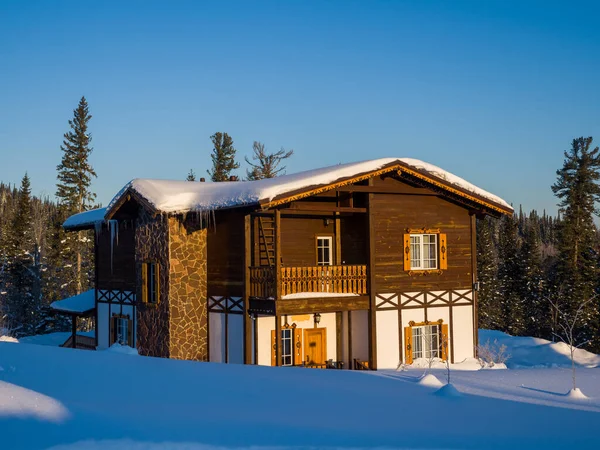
[(567, 325), (269, 164), (491, 354)]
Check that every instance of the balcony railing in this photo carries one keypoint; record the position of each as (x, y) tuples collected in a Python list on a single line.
[(325, 279)]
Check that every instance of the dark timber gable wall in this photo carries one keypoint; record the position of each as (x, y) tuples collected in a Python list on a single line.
[(393, 214), (120, 275)]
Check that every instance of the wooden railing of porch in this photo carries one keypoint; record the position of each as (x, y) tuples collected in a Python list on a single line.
[(325, 279)]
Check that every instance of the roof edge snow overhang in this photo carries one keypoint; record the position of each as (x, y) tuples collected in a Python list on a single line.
[(402, 169)]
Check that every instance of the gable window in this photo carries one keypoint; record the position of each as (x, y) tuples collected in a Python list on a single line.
[(425, 340), (324, 250), (425, 251), (121, 330), (150, 283)]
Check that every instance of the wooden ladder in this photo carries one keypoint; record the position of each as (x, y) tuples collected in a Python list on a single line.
[(266, 241)]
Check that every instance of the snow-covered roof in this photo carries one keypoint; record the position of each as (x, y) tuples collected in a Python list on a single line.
[(179, 197), (184, 196), (85, 219), (82, 303)]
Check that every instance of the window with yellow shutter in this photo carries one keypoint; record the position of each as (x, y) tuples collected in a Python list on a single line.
[(150, 283), (426, 340), (425, 250)]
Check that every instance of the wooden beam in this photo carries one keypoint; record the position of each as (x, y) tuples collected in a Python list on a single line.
[(319, 208), (474, 272), (278, 284), (312, 305), (350, 365), (372, 285), (74, 330), (387, 190), (247, 263)]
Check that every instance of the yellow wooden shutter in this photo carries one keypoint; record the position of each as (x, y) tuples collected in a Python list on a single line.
[(443, 251), (144, 282), (273, 348), (408, 356), (298, 346), (157, 282), (406, 252), (445, 342)]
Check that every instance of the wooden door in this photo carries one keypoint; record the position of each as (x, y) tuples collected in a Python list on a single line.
[(315, 345)]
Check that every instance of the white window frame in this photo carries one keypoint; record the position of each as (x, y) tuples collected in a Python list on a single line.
[(418, 261), (426, 341), (122, 330), (287, 359), (329, 247)]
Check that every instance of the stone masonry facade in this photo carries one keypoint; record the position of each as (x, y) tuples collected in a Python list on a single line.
[(152, 245), (188, 334)]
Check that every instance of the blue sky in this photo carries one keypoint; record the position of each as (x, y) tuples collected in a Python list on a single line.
[(493, 91)]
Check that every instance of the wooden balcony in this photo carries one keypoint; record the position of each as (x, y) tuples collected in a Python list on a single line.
[(318, 279)]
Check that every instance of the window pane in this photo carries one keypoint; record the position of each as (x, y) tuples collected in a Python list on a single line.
[(415, 251)]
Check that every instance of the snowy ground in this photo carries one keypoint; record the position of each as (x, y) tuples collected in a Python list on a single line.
[(77, 399)]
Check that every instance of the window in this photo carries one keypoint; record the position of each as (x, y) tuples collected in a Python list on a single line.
[(287, 352), (324, 251), (150, 283), (423, 251), (121, 330), (426, 341), (290, 340)]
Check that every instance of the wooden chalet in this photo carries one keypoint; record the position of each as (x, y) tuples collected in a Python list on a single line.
[(364, 265)]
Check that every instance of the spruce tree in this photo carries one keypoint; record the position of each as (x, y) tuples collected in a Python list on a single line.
[(577, 266), (23, 306), (269, 164), (490, 315), (74, 192), (191, 176), (509, 277), (223, 157)]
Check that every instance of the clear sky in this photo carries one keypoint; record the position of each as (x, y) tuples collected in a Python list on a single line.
[(493, 91)]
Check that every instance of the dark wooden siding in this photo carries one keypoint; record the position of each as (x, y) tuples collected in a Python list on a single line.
[(298, 239), (226, 253), (121, 276), (393, 214), (354, 239)]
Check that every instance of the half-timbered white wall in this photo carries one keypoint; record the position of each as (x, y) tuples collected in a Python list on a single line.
[(218, 351), (454, 308)]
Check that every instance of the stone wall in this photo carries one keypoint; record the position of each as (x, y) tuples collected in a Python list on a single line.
[(188, 290), (152, 245)]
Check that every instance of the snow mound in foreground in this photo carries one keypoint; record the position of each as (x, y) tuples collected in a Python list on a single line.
[(449, 391), (536, 352), (8, 339), (430, 380), (576, 394), (123, 349), (16, 401)]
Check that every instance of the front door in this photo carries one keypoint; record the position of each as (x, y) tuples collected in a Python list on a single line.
[(315, 346)]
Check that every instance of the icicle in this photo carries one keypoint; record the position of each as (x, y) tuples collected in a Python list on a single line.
[(113, 226), (98, 229)]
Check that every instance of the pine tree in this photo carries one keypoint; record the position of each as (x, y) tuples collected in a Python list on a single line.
[(577, 267), (537, 309), (223, 157), (268, 163), (191, 176), (23, 308), (74, 194), (509, 277), (490, 314)]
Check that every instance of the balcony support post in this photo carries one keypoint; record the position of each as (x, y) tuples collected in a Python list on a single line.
[(247, 263), (371, 288), (277, 284)]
